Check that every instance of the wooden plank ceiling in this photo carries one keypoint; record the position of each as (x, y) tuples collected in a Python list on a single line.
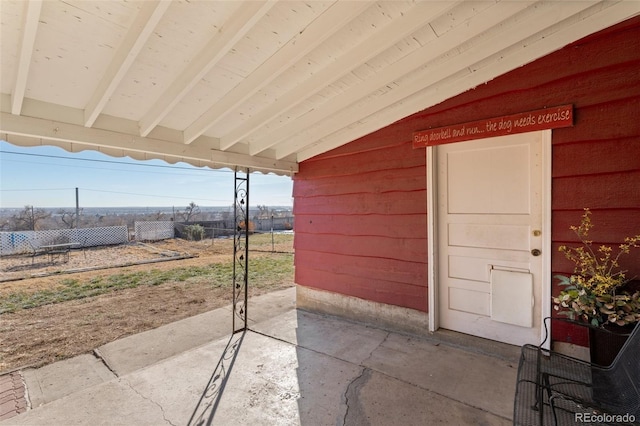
[(262, 85)]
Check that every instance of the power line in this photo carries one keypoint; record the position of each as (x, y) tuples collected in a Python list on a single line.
[(113, 192), (147, 195), (35, 189), (202, 169)]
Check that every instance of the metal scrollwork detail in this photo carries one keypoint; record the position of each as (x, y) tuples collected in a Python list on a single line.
[(241, 250)]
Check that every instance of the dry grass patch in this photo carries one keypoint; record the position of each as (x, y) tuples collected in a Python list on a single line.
[(47, 319)]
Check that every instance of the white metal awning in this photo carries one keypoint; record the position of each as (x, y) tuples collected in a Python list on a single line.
[(262, 85)]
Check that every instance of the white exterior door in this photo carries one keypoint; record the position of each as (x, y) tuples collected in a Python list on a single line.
[(490, 237)]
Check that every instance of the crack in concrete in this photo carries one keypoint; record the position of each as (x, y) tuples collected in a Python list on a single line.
[(164, 416), (97, 354), (364, 361), (352, 400)]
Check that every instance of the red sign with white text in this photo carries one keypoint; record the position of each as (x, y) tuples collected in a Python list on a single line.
[(548, 118)]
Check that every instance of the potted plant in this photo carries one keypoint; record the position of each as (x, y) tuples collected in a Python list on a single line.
[(596, 292)]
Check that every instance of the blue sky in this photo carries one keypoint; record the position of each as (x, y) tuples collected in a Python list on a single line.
[(47, 176)]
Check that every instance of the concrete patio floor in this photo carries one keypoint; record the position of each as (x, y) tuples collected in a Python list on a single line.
[(291, 367)]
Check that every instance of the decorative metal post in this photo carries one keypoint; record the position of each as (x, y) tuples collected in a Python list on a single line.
[(240, 250)]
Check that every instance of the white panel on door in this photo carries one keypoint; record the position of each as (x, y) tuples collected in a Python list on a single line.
[(469, 268), (489, 180), (512, 297), (507, 237), (474, 302)]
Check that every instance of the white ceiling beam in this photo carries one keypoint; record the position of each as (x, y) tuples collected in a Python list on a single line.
[(338, 15), (382, 40), (147, 19), (581, 24), (416, 59), (501, 36), (57, 131), (232, 31), (29, 30)]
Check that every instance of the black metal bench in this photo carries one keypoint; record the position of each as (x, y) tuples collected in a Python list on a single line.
[(556, 389)]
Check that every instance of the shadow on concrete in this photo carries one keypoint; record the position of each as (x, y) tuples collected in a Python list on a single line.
[(351, 374), (298, 368), (205, 410)]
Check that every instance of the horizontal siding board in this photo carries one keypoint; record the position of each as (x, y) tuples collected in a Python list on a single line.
[(408, 179), (588, 89), (591, 111), (365, 246), (610, 226), (607, 191), (583, 89), (612, 156), (392, 203), (389, 158), (613, 120), (630, 25), (402, 226), (400, 271), (576, 334), (381, 291), (387, 137), (581, 58)]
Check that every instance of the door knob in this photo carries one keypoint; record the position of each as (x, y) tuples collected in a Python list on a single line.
[(536, 252)]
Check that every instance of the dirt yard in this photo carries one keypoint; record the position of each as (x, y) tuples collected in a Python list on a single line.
[(54, 331)]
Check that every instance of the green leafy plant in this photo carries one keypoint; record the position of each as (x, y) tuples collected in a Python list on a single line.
[(594, 292), (194, 232)]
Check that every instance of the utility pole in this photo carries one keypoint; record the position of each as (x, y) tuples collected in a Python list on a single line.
[(77, 209)]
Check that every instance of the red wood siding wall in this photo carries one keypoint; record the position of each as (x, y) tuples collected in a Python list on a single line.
[(361, 221), (361, 209)]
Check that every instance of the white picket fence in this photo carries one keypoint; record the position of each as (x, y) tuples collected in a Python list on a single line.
[(26, 241)]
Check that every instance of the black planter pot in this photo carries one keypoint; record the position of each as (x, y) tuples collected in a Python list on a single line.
[(605, 343)]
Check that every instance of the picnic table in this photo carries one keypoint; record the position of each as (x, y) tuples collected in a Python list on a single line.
[(56, 251)]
